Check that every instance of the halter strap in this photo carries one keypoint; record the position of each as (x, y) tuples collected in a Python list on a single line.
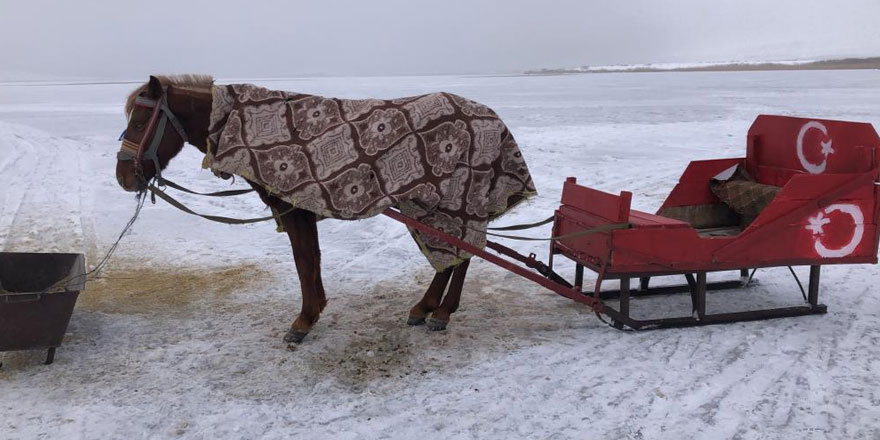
[(166, 112), (162, 114)]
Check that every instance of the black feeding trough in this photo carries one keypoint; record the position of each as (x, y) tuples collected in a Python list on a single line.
[(37, 295)]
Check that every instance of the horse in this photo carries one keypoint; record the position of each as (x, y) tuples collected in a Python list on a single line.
[(167, 112)]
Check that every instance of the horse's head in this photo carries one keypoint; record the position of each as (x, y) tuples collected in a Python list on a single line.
[(153, 136)]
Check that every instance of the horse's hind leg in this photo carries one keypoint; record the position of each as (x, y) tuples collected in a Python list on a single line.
[(301, 227), (440, 318), (431, 300)]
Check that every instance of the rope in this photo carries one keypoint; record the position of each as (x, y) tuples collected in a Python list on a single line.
[(141, 198), (61, 286)]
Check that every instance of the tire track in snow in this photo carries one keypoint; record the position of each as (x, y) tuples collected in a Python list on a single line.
[(87, 213), (13, 192), (46, 218)]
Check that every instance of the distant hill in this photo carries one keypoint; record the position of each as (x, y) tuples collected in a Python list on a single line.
[(836, 64)]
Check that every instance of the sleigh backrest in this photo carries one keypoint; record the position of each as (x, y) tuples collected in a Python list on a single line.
[(824, 168), (601, 204), (780, 147)]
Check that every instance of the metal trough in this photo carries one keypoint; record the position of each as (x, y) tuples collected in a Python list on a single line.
[(37, 294)]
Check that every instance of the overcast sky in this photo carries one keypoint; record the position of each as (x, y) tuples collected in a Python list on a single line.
[(258, 38)]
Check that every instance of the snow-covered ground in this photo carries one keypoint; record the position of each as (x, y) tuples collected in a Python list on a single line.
[(682, 66), (183, 335)]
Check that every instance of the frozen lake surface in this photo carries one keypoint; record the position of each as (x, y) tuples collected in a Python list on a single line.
[(183, 336)]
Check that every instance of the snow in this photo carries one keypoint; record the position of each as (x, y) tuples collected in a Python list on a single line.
[(681, 66), (182, 338)]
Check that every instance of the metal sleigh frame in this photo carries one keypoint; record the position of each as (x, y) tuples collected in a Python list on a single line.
[(697, 286), (654, 245)]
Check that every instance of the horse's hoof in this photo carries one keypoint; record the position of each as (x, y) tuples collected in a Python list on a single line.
[(295, 336), (436, 324), (415, 320)]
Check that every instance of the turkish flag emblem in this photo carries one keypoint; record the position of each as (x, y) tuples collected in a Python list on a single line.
[(837, 230)]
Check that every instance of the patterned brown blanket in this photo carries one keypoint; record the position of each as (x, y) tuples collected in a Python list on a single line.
[(442, 159)]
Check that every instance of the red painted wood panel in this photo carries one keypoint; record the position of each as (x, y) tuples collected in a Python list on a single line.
[(591, 249), (644, 220), (693, 185), (590, 200), (826, 213), (811, 146)]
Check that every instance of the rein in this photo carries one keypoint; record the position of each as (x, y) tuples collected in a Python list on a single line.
[(214, 218), (228, 193)]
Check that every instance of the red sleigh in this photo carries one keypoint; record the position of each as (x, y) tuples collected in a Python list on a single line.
[(826, 212)]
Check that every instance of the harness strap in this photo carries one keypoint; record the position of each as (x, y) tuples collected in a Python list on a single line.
[(129, 147), (228, 193), (524, 226), (152, 151), (174, 121), (124, 155), (144, 101), (215, 218), (602, 228), (597, 229)]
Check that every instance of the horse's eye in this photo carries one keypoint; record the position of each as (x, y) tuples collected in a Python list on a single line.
[(138, 126)]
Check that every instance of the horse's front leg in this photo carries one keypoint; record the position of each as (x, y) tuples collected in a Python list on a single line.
[(302, 228)]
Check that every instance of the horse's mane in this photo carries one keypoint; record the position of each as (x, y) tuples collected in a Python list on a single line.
[(197, 82)]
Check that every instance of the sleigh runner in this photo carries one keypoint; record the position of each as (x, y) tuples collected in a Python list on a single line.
[(823, 209)]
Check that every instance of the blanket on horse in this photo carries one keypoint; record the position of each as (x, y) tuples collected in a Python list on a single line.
[(442, 159)]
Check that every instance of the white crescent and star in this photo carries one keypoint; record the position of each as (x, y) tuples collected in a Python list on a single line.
[(827, 150), (819, 222)]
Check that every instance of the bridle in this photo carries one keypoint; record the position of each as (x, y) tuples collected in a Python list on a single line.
[(134, 150)]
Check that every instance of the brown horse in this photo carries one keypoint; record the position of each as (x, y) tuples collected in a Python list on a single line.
[(167, 112)]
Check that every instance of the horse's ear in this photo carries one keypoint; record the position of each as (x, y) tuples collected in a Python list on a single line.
[(154, 87)]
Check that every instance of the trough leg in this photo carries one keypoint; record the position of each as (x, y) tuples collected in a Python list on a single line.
[(643, 283), (579, 277), (813, 295), (50, 357)]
